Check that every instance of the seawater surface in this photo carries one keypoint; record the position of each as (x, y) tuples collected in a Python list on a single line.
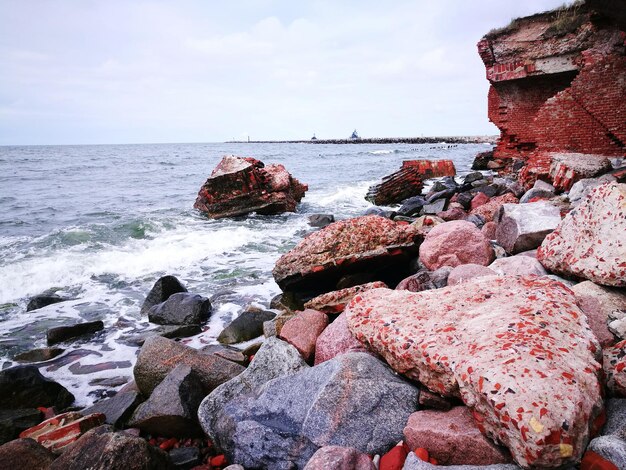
[(100, 224)]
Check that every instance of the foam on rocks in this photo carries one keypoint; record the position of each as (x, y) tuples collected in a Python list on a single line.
[(492, 342)]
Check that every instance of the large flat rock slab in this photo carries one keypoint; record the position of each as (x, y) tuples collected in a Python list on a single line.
[(517, 350)]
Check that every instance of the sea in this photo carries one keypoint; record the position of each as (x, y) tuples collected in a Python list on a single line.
[(99, 224)]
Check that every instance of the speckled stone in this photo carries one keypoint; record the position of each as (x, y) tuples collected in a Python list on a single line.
[(303, 330), (614, 364), (339, 458), (336, 339), (493, 341), (590, 241), (519, 265), (335, 301)]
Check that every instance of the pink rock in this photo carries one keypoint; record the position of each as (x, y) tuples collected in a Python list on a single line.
[(303, 330), (489, 210), (599, 303), (614, 364), (519, 265), (590, 241), (453, 438), (339, 458), (453, 213), (455, 243), (465, 272), (336, 339), (478, 200), (335, 301), (493, 342), (489, 230)]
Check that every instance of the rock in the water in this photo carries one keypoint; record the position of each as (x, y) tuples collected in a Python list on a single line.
[(368, 243), (353, 400), (26, 454), (161, 291), (43, 300), (25, 387), (59, 432), (302, 331), (339, 458), (63, 333), (518, 265), (490, 209), (590, 242), (523, 227), (172, 407), (336, 339), (116, 409), (567, 168), (455, 243), (158, 356), (13, 422), (335, 301), (276, 358), (492, 341), (248, 325), (465, 272), (600, 304), (452, 437), (98, 450), (413, 462), (38, 355), (239, 186), (182, 308), (321, 220)]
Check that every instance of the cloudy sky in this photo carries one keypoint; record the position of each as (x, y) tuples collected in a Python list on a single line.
[(122, 71)]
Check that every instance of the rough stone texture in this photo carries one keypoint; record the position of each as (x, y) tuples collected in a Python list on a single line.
[(336, 339), (59, 432), (489, 230), (590, 242), (490, 209), (26, 454), (353, 400), (466, 272), (172, 407), (43, 300), (533, 194), (100, 450), (518, 265), (339, 458), (452, 437), (413, 462), (116, 409), (455, 243), (568, 168), (303, 330), (158, 356), (182, 308), (492, 341), (25, 387), (614, 364), (13, 422), (63, 333), (321, 220), (615, 418), (523, 227), (424, 280), (611, 448), (248, 325), (163, 288), (239, 186), (453, 213), (581, 189), (275, 358), (363, 244), (274, 327), (600, 304), (335, 301), (39, 354), (412, 206)]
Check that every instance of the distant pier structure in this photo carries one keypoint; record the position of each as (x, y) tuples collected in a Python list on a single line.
[(488, 139)]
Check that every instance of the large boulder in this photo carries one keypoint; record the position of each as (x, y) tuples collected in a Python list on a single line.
[(158, 356), (465, 272), (363, 244), (522, 227), (182, 308), (13, 422), (590, 242), (492, 342), (163, 288), (239, 186), (25, 387), (353, 400), (413, 462), (25, 453), (335, 301), (455, 243), (336, 339)]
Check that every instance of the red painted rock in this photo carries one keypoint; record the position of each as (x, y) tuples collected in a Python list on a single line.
[(490, 209), (362, 244), (599, 303), (479, 200), (336, 339), (239, 186), (492, 342), (339, 458), (453, 438), (465, 272), (303, 330), (455, 243), (593, 461), (519, 265), (614, 364), (431, 168), (489, 230), (523, 227), (335, 301), (568, 168), (394, 459), (590, 241)]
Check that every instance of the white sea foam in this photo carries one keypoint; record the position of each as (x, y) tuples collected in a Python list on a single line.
[(381, 152)]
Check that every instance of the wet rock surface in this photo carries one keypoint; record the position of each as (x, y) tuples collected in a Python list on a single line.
[(163, 288), (248, 325), (181, 308), (13, 422), (26, 387), (43, 300), (116, 409), (63, 333)]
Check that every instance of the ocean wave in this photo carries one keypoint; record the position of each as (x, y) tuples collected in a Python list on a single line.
[(383, 152)]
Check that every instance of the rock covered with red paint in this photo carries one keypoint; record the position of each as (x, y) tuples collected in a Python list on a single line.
[(568, 168), (492, 342), (336, 339), (335, 301), (303, 330), (523, 227), (455, 243), (614, 364), (339, 458), (239, 186), (590, 241), (362, 244), (490, 209), (452, 437)]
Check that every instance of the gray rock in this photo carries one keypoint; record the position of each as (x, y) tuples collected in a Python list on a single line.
[(229, 353), (413, 462), (523, 227), (116, 409), (13, 422), (465, 199), (235, 466), (275, 358), (353, 400), (43, 300), (63, 333), (38, 355), (246, 326), (514, 187), (158, 356), (274, 327), (471, 177), (185, 458), (412, 206), (161, 291), (25, 454), (544, 186), (615, 418), (25, 387), (536, 192), (321, 220), (172, 407), (434, 207), (182, 308), (476, 220), (612, 448)]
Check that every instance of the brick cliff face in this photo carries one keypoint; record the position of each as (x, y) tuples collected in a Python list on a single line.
[(558, 83)]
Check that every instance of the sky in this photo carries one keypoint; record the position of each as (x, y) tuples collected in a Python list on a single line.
[(125, 71)]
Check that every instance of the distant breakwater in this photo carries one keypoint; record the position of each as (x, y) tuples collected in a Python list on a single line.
[(384, 140)]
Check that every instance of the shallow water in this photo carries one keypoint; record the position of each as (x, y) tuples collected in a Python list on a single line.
[(100, 224)]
